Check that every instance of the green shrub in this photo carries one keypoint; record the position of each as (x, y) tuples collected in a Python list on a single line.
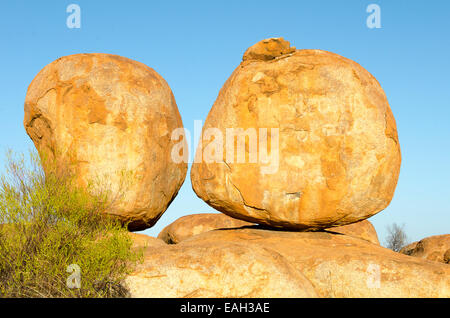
[(47, 224)]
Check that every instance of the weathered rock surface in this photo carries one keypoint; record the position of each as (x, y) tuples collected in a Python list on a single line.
[(362, 229), (110, 120), (217, 269), (144, 241), (268, 49), (343, 266), (407, 250), (338, 157), (194, 224), (434, 248)]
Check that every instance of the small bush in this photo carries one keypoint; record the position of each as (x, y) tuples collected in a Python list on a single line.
[(396, 238), (47, 224)]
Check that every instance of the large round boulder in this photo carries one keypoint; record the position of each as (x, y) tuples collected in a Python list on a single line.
[(300, 139), (109, 120)]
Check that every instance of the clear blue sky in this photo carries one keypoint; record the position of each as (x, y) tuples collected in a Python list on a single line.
[(195, 45)]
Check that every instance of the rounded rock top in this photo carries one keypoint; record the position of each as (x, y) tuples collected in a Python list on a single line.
[(268, 49)]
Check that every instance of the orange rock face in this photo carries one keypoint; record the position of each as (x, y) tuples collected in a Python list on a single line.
[(362, 229), (407, 250), (332, 154), (194, 224), (109, 119), (341, 265), (143, 241), (216, 269), (434, 248)]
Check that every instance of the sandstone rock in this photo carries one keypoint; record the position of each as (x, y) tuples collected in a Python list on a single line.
[(194, 224), (336, 158), (407, 250), (341, 265), (268, 50), (434, 248), (109, 119), (216, 270), (144, 241), (447, 256), (362, 229)]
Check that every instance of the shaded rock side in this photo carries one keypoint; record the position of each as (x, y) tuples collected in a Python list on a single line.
[(362, 229), (194, 224)]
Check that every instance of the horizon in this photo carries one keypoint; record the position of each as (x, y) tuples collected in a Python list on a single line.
[(195, 47)]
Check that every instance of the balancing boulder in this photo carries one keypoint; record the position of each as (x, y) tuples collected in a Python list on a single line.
[(109, 120), (327, 152)]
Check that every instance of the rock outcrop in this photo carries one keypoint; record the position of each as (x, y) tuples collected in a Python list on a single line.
[(298, 139), (343, 266), (143, 241), (434, 248), (362, 229), (193, 224), (109, 120), (217, 269), (407, 250)]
